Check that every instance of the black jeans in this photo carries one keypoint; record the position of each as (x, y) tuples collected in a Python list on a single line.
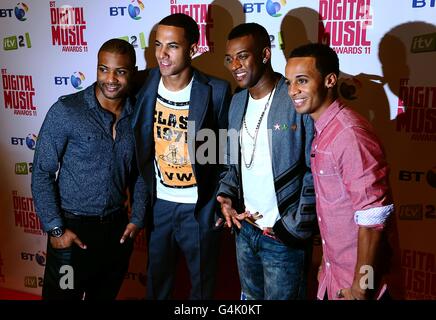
[(94, 273)]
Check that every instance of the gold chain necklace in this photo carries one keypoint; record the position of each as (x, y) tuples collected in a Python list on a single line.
[(256, 131)]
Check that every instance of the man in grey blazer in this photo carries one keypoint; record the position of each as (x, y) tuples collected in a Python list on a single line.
[(174, 107), (267, 192)]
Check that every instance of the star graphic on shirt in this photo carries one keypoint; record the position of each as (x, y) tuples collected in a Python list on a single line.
[(276, 126)]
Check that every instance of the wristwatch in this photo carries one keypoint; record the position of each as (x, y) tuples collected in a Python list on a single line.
[(56, 232)]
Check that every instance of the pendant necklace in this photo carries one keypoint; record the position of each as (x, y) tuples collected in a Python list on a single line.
[(256, 131)]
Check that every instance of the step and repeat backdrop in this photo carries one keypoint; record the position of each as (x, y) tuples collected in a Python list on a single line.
[(387, 51)]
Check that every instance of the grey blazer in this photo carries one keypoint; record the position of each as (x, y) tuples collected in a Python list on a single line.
[(292, 135)]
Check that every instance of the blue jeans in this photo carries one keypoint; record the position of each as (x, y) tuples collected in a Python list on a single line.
[(268, 269)]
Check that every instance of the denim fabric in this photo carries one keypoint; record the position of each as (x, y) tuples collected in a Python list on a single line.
[(94, 169), (268, 269)]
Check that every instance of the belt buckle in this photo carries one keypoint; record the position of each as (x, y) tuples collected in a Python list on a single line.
[(252, 222), (107, 218), (252, 219)]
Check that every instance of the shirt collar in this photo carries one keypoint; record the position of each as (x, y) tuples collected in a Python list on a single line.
[(328, 115)]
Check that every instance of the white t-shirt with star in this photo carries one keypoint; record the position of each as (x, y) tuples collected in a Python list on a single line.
[(257, 180)]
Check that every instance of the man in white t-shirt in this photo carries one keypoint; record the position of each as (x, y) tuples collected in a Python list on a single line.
[(175, 103), (267, 192)]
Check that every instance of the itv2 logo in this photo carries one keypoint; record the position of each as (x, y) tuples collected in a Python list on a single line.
[(424, 43)]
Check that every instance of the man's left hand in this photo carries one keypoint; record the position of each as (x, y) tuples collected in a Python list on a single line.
[(350, 294), (130, 232)]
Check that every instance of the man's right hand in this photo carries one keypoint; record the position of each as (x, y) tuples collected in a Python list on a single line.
[(230, 214), (66, 240)]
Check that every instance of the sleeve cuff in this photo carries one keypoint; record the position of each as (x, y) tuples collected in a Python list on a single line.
[(53, 223), (373, 216), (137, 222)]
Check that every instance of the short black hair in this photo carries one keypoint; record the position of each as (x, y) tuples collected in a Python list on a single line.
[(327, 60), (119, 46), (257, 31), (181, 20)]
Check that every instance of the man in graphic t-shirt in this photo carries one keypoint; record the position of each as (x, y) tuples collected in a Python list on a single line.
[(173, 166), (174, 106)]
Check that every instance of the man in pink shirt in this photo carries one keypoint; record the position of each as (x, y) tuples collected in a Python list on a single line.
[(353, 199)]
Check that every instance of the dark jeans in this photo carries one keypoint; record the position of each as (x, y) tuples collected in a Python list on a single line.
[(95, 273), (176, 229), (268, 269)]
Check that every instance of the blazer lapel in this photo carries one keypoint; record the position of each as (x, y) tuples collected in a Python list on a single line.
[(199, 100), (144, 114), (241, 107)]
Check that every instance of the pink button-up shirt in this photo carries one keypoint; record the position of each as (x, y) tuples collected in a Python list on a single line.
[(351, 185)]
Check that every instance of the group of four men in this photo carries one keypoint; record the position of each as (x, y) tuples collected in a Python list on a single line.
[(101, 147)]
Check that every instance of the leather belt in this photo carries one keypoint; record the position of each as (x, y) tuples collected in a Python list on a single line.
[(94, 218)]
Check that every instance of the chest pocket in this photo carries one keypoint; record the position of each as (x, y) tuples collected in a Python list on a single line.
[(88, 144), (330, 186)]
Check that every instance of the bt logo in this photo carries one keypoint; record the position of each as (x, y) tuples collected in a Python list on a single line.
[(272, 7), (423, 3), (20, 11), (349, 88), (134, 10), (39, 257), (418, 176), (76, 80), (30, 141)]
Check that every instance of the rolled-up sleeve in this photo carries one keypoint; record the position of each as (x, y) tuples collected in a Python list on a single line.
[(365, 174)]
